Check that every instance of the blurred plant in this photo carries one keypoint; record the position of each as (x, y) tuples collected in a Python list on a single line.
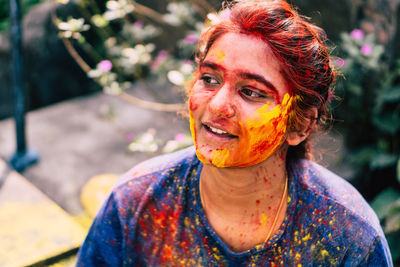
[(180, 141), (72, 28), (148, 142), (369, 111), (136, 42), (4, 11), (387, 207), (124, 42), (370, 104)]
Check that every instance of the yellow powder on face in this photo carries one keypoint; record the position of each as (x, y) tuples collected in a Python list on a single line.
[(192, 130), (261, 137), (220, 54), (220, 157)]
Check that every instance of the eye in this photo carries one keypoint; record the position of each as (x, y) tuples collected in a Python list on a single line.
[(252, 94), (209, 80)]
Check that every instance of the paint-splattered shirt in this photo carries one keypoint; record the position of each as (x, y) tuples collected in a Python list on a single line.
[(154, 217)]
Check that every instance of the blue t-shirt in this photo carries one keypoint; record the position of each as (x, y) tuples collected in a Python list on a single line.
[(154, 217)]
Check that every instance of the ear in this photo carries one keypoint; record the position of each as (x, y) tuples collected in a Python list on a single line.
[(296, 137)]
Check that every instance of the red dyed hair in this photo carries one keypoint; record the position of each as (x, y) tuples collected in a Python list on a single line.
[(299, 46)]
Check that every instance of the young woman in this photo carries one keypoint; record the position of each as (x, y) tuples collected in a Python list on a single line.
[(247, 194)]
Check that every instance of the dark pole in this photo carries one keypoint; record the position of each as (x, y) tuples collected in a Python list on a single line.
[(23, 157)]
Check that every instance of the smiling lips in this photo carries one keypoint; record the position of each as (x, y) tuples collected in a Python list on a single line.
[(218, 132)]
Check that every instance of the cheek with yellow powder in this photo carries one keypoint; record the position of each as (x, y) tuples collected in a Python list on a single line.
[(261, 137), (193, 131)]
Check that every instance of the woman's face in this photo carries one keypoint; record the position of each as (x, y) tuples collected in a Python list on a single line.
[(239, 103)]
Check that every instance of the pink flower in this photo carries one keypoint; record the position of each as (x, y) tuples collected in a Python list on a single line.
[(191, 39), (340, 62), (162, 55), (105, 65), (180, 137), (129, 137), (357, 34), (138, 24), (331, 96), (366, 49), (151, 131)]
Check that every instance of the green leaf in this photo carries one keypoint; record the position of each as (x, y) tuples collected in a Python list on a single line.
[(398, 170), (382, 144), (381, 203), (394, 244), (391, 94), (388, 123), (363, 156), (382, 160), (394, 208), (355, 89)]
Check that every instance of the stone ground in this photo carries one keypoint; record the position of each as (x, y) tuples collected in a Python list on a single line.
[(76, 142)]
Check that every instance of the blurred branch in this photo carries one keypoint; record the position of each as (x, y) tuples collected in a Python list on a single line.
[(71, 50), (148, 12), (203, 4), (130, 98), (199, 9), (152, 105), (68, 45)]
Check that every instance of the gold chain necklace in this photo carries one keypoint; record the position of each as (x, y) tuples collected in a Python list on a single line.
[(279, 210), (203, 202)]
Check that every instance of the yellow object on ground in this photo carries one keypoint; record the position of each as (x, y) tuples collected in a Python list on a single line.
[(33, 228), (95, 192)]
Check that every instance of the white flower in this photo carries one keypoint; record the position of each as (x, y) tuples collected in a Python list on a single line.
[(179, 13), (176, 77), (213, 17), (186, 68), (73, 25), (117, 9), (99, 21)]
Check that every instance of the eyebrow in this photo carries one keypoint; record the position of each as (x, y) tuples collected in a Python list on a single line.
[(242, 74)]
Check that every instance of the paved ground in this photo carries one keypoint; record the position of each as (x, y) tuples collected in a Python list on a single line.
[(77, 142)]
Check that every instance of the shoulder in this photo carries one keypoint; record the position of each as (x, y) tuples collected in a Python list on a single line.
[(337, 213), (317, 181), (158, 165), (149, 184), (153, 177)]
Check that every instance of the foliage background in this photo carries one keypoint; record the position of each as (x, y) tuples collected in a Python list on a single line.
[(4, 8), (119, 42)]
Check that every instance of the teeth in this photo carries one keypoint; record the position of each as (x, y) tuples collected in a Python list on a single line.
[(218, 131)]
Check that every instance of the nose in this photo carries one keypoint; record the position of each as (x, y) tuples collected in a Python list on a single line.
[(221, 104)]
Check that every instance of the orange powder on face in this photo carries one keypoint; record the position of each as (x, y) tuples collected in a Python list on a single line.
[(261, 137)]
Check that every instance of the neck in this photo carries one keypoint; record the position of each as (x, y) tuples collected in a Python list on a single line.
[(245, 206), (233, 192)]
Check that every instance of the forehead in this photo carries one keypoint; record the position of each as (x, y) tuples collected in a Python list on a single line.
[(245, 52), (238, 53)]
